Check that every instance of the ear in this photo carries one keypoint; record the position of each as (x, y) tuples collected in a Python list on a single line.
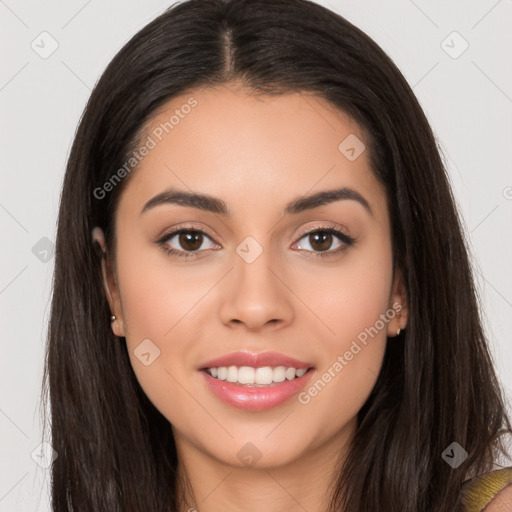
[(110, 283), (398, 303)]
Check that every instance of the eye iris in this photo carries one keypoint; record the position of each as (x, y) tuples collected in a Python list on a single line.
[(323, 237), (193, 237)]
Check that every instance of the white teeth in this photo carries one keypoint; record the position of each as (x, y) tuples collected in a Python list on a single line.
[(245, 375), (232, 374), (255, 376), (279, 374), (264, 375), (290, 373)]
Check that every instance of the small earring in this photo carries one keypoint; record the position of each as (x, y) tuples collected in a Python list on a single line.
[(112, 318)]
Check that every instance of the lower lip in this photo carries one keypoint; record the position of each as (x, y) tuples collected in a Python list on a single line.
[(256, 398)]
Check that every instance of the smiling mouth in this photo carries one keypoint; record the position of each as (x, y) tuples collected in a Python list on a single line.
[(247, 376)]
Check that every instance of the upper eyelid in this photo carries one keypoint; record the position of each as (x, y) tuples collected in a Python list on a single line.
[(173, 232), (327, 226)]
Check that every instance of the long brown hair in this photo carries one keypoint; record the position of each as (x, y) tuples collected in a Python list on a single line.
[(437, 385)]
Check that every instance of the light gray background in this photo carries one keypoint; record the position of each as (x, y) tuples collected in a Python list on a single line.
[(468, 101)]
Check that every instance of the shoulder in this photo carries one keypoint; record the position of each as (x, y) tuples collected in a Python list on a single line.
[(491, 492), (502, 501)]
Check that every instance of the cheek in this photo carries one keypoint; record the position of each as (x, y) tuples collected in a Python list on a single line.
[(348, 298), (353, 304), (160, 303), (158, 296)]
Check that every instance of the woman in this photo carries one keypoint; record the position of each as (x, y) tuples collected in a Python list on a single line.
[(262, 295)]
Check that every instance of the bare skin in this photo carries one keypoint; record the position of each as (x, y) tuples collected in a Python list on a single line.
[(501, 502), (256, 154)]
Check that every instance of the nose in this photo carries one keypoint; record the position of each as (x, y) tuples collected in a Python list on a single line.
[(255, 295)]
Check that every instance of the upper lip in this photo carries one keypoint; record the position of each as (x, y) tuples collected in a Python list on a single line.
[(257, 360)]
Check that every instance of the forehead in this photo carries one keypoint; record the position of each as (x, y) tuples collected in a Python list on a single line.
[(231, 143)]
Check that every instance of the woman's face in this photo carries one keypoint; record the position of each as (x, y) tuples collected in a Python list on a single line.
[(257, 273)]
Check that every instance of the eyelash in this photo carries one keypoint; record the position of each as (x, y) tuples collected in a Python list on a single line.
[(330, 229)]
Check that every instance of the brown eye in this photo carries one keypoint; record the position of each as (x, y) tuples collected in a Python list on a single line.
[(190, 240), (185, 242), (320, 241)]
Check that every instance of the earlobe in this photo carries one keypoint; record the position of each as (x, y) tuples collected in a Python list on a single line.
[(117, 326)]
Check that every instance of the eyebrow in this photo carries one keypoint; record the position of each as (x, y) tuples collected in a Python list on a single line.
[(214, 205)]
